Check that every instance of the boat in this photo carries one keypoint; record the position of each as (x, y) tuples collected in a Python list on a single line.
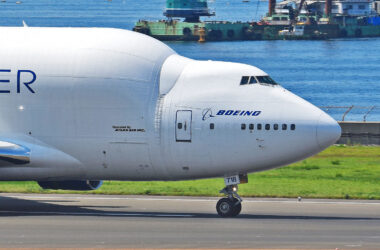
[(320, 19)]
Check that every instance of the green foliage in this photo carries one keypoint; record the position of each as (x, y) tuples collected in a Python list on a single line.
[(335, 162), (306, 167), (338, 175), (346, 172)]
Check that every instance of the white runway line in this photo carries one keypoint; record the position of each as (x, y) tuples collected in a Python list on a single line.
[(31, 197)]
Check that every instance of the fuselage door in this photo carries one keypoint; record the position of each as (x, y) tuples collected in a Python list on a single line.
[(183, 126)]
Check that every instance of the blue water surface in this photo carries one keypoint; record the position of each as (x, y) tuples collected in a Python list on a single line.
[(341, 72)]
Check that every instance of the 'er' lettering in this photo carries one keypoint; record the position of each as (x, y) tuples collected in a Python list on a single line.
[(5, 80), (28, 74)]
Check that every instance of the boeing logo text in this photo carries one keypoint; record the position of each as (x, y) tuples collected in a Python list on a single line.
[(238, 112)]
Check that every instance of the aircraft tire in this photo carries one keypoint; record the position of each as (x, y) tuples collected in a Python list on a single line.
[(227, 208), (237, 209)]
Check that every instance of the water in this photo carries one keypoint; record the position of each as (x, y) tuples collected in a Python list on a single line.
[(341, 72)]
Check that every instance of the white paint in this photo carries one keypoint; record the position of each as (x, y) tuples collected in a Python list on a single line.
[(170, 72), (106, 103)]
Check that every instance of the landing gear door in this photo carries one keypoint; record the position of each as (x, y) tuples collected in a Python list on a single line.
[(183, 126)]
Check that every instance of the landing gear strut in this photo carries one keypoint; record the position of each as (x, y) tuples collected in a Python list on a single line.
[(231, 205)]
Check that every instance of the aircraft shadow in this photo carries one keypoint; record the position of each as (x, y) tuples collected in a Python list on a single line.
[(10, 206)]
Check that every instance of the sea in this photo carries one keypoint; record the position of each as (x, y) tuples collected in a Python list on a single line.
[(338, 73)]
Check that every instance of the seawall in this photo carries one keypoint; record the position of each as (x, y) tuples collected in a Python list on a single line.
[(365, 133)]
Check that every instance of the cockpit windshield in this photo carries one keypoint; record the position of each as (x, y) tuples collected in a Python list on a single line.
[(257, 79), (266, 79)]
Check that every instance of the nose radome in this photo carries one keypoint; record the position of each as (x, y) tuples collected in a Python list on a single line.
[(328, 131)]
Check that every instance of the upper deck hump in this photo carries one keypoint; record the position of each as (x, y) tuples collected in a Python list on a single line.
[(83, 52), (109, 39)]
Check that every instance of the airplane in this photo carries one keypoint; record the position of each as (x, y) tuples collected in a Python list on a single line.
[(82, 105)]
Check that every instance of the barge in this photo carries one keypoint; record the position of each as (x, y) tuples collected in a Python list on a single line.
[(289, 19)]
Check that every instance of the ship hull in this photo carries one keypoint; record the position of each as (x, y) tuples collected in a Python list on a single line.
[(238, 31)]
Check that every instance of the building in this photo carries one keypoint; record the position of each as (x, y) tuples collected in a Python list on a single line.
[(352, 7), (376, 6), (339, 7)]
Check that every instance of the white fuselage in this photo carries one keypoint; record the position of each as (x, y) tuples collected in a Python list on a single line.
[(104, 104)]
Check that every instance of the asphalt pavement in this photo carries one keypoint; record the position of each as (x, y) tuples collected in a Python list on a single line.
[(100, 221)]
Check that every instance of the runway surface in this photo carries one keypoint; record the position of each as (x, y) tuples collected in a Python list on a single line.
[(89, 221)]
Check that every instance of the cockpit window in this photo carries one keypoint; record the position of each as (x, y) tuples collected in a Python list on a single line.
[(266, 80), (257, 79), (244, 80), (252, 80)]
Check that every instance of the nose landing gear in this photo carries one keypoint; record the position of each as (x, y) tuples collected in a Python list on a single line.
[(230, 206)]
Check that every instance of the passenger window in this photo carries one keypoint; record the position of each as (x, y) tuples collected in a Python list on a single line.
[(244, 80), (243, 126), (275, 126), (292, 126), (259, 126), (252, 80), (251, 126), (284, 127), (179, 125), (212, 126), (267, 126)]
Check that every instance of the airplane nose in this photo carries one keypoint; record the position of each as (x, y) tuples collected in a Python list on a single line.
[(328, 131)]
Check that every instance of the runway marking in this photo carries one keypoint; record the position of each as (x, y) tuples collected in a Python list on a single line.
[(353, 245), (373, 237), (343, 202), (96, 214)]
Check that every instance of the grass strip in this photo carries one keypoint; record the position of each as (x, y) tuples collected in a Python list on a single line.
[(347, 172)]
